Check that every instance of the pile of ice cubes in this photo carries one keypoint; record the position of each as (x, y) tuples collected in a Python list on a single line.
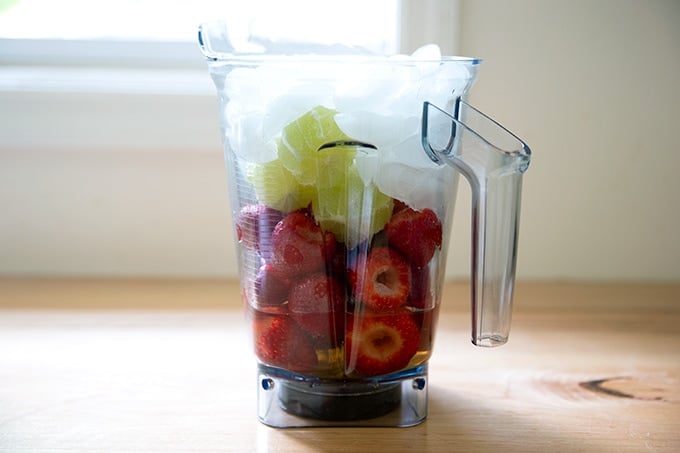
[(378, 102)]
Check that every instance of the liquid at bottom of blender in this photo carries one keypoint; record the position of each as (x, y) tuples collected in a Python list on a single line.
[(335, 394)]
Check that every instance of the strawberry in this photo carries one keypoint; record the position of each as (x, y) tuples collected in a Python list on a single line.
[(269, 289), (416, 234), (426, 321), (299, 246), (317, 305), (420, 296), (381, 344), (337, 263), (332, 250), (254, 226), (355, 262), (382, 281), (398, 206), (278, 342)]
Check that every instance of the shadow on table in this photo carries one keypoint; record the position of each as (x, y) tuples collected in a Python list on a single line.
[(456, 422)]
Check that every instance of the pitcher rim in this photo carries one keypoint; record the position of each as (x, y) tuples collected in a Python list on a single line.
[(212, 55)]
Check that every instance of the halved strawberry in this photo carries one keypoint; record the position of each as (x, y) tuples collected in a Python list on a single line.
[(416, 234), (269, 288), (381, 344), (355, 263), (278, 342), (254, 227), (337, 263), (426, 321), (421, 292), (299, 246), (382, 281), (398, 206), (317, 305)]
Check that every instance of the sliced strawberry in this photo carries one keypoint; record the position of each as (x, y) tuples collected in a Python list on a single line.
[(416, 234), (254, 227), (398, 206), (420, 296), (355, 262), (269, 288), (317, 305), (337, 263), (299, 246), (381, 344), (382, 281), (278, 342), (426, 321), (331, 250)]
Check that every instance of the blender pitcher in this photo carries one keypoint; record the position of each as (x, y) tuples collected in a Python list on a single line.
[(342, 172)]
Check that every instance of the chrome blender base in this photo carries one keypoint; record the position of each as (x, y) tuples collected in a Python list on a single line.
[(286, 400)]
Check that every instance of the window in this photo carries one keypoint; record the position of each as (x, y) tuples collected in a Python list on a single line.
[(84, 53), (373, 25), (96, 90), (148, 47)]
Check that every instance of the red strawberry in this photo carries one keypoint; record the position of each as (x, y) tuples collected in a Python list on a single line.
[(355, 262), (317, 305), (398, 206), (337, 263), (278, 342), (299, 246), (269, 289), (381, 344), (426, 321), (383, 280), (416, 234), (254, 227), (421, 292), (331, 250)]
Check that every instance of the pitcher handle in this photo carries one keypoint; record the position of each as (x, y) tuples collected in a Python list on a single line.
[(493, 160)]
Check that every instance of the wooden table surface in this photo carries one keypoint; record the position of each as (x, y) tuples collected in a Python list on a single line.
[(153, 365)]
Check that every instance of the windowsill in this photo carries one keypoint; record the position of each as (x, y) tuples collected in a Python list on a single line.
[(67, 107), (91, 53), (56, 79)]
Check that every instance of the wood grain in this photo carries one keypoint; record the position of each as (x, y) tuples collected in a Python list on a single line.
[(142, 366)]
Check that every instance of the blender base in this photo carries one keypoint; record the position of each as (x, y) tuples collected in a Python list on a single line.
[(286, 400)]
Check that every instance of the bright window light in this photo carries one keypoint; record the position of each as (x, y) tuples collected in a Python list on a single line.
[(370, 24)]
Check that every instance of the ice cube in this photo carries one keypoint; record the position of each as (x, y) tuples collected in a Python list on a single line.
[(294, 103), (427, 52), (419, 188), (376, 129), (244, 134), (408, 174), (278, 77), (445, 84), (241, 85), (378, 87), (410, 152), (428, 58)]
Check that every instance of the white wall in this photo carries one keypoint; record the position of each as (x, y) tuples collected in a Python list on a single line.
[(144, 204), (592, 86)]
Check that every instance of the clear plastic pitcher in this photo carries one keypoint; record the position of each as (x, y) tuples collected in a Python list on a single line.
[(342, 174)]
